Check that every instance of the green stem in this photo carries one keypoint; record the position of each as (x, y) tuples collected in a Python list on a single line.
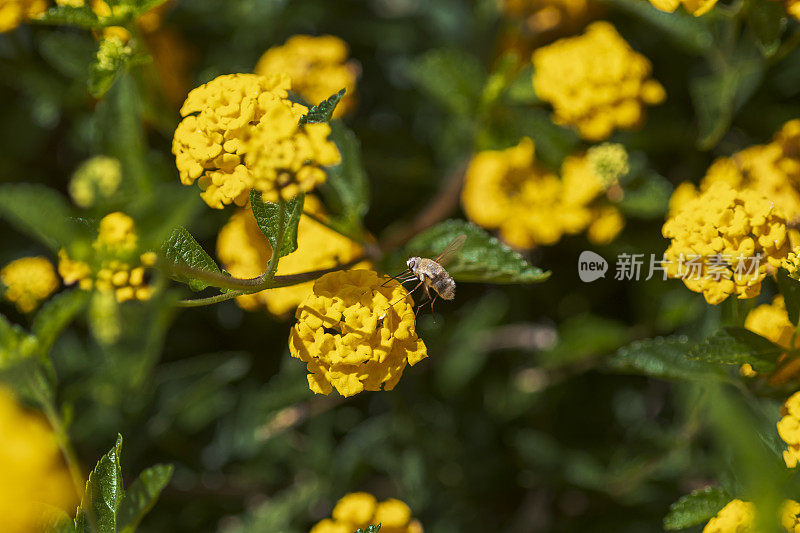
[(272, 267)]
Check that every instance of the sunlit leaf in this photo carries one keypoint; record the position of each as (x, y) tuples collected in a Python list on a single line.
[(482, 258), (278, 222), (323, 111), (737, 346), (104, 494), (181, 250)]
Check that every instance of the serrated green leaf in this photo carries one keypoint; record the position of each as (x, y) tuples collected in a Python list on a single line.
[(346, 191), (452, 77), (81, 16), (790, 290), (182, 250), (323, 111), (482, 258), (370, 529), (38, 211), (695, 508), (737, 346), (663, 358), (683, 29), (278, 222), (104, 494), (142, 496), (767, 20), (55, 315)]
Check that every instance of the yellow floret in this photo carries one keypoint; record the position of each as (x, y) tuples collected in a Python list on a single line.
[(355, 334), (358, 510), (318, 67), (695, 7), (595, 82), (28, 281)]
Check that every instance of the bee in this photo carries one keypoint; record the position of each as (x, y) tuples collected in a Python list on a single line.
[(432, 274)]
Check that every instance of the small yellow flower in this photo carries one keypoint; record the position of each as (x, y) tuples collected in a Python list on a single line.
[(595, 82), (97, 178), (510, 191), (789, 430), (725, 242), (15, 12), (318, 67), (28, 281), (695, 7), (32, 471), (739, 517), (609, 161), (113, 264), (241, 132), (244, 252), (772, 322), (359, 510), (355, 334)]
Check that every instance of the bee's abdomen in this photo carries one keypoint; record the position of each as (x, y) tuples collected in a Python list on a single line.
[(445, 287)]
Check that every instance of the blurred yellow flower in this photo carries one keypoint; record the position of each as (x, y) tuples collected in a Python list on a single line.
[(318, 67), (735, 516), (789, 430), (15, 12), (541, 16), (595, 82), (114, 264), (772, 322), (510, 191), (724, 242), (241, 131), (96, 178), (695, 7), (359, 510), (28, 281), (33, 476), (355, 334), (244, 252)]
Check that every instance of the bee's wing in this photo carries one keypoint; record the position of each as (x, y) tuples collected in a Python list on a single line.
[(451, 249)]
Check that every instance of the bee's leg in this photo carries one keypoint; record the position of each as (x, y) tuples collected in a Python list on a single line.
[(407, 294)]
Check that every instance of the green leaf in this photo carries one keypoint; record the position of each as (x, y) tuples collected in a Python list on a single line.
[(346, 191), (83, 17), (719, 94), (649, 199), (55, 315), (182, 250), (767, 20), (104, 494), (10, 336), (695, 508), (737, 346), (38, 211), (323, 111), (69, 53), (663, 358), (684, 30), (452, 77), (370, 529), (57, 521), (520, 90), (790, 289), (482, 258), (142, 495), (278, 222)]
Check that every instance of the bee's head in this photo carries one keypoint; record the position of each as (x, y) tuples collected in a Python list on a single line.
[(413, 262)]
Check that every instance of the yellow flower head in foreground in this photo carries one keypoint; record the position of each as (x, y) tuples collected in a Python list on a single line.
[(115, 266), (789, 430), (28, 281), (318, 67), (358, 510), (595, 82), (735, 516), (244, 252), (352, 337), (695, 7), (724, 242), (508, 190), (97, 178), (32, 472), (14, 12), (240, 131)]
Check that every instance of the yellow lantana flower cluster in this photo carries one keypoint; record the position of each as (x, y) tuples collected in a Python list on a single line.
[(28, 281), (724, 242), (33, 475), (358, 510), (695, 7), (114, 264), (15, 12), (318, 67), (508, 190), (772, 322), (789, 430), (241, 132), (244, 252), (595, 82), (355, 333), (739, 516)]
